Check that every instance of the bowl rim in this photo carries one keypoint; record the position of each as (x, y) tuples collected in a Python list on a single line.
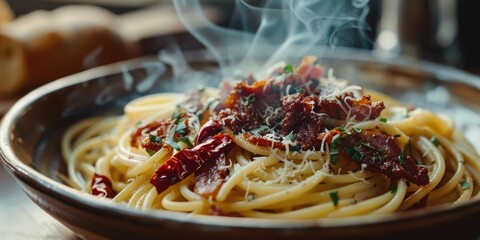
[(27, 175)]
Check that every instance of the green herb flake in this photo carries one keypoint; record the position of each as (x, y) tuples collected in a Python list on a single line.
[(187, 141), (170, 140), (181, 128), (150, 152), (357, 153), (465, 185), (334, 151), (176, 115), (295, 148), (357, 130), (341, 129), (290, 137), (401, 159), (435, 141), (260, 129), (334, 197), (384, 120), (288, 68), (251, 197), (336, 143), (348, 150), (299, 90), (397, 135), (393, 189), (249, 100), (154, 139), (367, 145), (334, 158)]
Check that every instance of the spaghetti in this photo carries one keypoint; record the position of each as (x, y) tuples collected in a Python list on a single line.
[(296, 145)]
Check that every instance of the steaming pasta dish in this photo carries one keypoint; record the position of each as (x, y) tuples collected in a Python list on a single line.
[(298, 144)]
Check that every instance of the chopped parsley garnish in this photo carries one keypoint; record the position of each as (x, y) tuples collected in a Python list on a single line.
[(357, 130), (334, 151), (355, 152), (170, 140), (176, 116), (435, 141), (334, 197), (394, 188), (249, 100), (290, 137), (294, 148), (336, 143), (187, 141), (334, 158), (288, 68), (341, 129), (260, 129), (384, 120), (181, 128), (154, 139), (299, 90), (401, 159), (367, 145), (464, 185), (150, 152)]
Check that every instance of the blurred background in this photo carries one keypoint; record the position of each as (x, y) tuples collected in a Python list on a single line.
[(43, 40)]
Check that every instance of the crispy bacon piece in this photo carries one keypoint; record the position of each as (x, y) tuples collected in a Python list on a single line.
[(187, 161), (301, 120), (305, 115), (363, 108), (102, 186), (344, 107), (308, 69), (256, 103), (251, 101), (381, 153), (210, 177)]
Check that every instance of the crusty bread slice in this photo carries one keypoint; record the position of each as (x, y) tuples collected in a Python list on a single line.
[(12, 65), (6, 14), (43, 46)]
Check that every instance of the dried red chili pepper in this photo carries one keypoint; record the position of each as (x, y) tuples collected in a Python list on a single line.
[(102, 186), (187, 161)]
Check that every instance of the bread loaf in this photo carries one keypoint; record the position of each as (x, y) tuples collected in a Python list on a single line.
[(43, 46), (6, 14)]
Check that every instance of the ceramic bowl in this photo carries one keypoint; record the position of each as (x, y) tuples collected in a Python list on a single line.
[(30, 149)]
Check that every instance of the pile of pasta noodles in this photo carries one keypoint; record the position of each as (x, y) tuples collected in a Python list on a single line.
[(297, 144)]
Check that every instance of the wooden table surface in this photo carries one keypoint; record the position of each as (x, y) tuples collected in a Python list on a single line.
[(20, 218)]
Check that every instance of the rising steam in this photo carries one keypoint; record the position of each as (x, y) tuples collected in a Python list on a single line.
[(275, 31)]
